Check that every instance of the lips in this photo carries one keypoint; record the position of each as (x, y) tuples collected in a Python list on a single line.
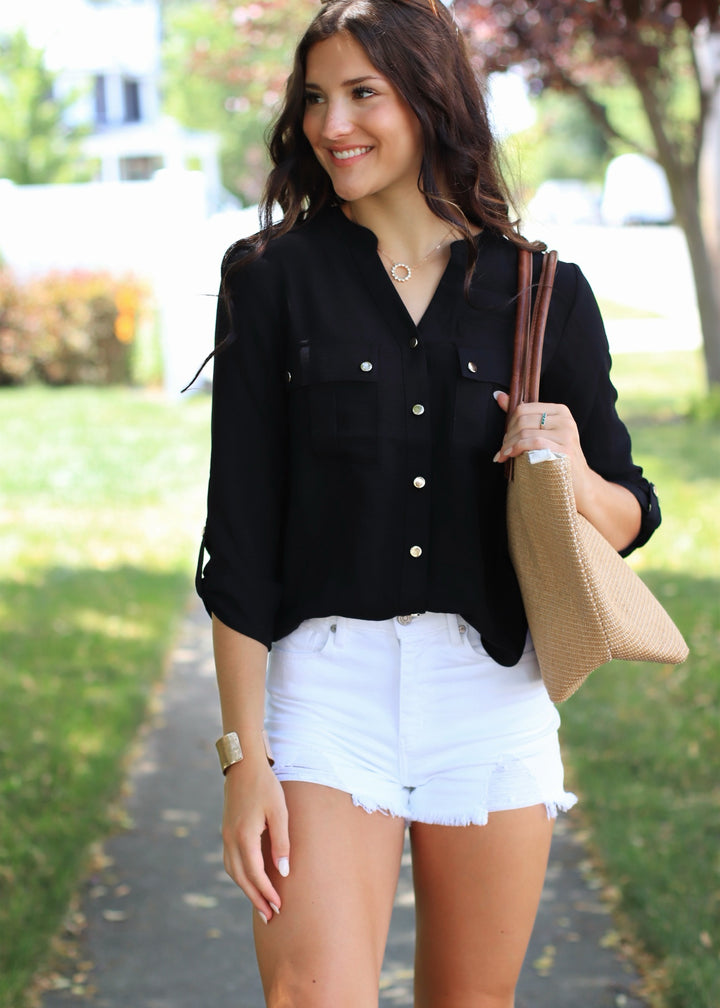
[(350, 152)]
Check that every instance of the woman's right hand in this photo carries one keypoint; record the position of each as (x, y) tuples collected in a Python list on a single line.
[(254, 803)]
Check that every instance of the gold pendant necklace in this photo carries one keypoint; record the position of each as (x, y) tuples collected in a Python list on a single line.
[(396, 267)]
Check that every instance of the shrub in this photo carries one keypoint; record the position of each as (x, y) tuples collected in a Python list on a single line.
[(68, 328)]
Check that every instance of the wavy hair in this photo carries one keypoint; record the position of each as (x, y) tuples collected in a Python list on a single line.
[(418, 47)]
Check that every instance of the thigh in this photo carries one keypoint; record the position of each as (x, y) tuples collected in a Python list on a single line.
[(477, 890), (326, 946)]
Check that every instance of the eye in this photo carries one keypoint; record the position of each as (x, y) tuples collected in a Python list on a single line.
[(313, 98), (363, 91)]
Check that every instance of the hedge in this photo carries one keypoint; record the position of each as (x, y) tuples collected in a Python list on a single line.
[(73, 328)]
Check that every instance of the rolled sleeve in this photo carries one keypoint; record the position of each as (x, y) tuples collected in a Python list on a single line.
[(578, 374), (241, 581)]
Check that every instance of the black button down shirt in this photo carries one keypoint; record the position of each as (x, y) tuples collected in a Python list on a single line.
[(351, 469)]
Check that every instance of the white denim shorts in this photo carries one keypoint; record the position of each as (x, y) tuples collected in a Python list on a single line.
[(412, 717)]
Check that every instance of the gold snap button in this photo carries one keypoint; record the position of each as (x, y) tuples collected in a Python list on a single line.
[(366, 366), (418, 409), (472, 366), (419, 482), (416, 551)]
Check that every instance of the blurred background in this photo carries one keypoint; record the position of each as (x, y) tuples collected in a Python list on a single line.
[(131, 156)]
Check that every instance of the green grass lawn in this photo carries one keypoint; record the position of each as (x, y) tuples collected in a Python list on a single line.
[(642, 740), (101, 508), (101, 504)]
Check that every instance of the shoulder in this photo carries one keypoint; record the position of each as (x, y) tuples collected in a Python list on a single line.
[(284, 249)]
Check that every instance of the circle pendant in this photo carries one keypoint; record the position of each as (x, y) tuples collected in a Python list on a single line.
[(399, 277)]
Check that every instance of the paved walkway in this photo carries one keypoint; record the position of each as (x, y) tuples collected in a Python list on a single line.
[(167, 929)]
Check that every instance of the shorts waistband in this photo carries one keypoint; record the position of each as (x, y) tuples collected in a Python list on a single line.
[(406, 624)]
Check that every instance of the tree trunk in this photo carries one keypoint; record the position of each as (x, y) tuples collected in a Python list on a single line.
[(707, 47), (682, 175), (706, 274)]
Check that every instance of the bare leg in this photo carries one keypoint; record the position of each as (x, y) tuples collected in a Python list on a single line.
[(326, 947), (477, 891)]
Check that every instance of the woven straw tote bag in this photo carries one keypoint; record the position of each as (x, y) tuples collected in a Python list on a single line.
[(585, 606)]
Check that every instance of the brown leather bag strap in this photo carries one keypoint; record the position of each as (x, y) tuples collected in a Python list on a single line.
[(529, 333), (537, 328), (522, 330)]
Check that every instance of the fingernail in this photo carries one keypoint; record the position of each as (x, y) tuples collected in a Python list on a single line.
[(262, 916), (507, 452), (284, 866), (274, 908), (496, 393), (496, 458)]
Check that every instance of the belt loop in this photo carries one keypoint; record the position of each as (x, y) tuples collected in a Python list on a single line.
[(454, 622), (337, 629)]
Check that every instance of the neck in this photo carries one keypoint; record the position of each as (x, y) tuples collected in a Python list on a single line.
[(405, 229)]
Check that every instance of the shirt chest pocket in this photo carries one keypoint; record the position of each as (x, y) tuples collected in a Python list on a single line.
[(338, 388), (478, 421)]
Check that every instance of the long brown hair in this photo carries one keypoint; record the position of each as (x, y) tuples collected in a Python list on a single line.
[(418, 47)]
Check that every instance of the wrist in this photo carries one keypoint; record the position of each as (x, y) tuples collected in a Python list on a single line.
[(231, 751)]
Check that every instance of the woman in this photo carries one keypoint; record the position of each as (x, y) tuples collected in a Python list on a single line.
[(356, 525)]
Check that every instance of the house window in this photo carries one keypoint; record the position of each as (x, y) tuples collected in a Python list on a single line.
[(100, 101), (139, 169), (131, 100)]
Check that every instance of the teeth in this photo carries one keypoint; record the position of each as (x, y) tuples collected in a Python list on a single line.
[(355, 152)]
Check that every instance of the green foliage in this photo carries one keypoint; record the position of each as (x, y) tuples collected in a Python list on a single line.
[(68, 329), (563, 143), (225, 69), (102, 510), (36, 146), (642, 739)]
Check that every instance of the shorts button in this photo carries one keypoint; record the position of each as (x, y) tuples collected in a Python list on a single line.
[(416, 551), (418, 409), (419, 482)]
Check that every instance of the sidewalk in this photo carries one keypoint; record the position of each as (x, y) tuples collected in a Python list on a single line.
[(167, 929)]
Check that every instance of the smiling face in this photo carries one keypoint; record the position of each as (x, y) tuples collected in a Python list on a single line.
[(363, 133)]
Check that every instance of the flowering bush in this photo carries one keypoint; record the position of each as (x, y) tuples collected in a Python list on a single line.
[(68, 328)]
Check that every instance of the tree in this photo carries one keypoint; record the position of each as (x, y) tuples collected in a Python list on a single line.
[(226, 64), (583, 47), (36, 144)]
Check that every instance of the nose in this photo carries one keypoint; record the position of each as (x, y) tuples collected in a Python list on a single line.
[(336, 123)]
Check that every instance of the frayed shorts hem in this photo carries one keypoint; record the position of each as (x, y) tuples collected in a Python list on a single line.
[(429, 813)]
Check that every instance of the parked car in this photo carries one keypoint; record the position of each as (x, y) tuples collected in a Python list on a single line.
[(565, 201), (636, 191)]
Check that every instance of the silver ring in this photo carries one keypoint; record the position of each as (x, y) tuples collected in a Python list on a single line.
[(543, 418)]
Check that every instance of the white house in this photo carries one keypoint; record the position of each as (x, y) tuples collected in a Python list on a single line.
[(109, 54)]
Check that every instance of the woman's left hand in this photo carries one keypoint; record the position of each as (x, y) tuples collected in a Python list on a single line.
[(610, 507), (545, 425)]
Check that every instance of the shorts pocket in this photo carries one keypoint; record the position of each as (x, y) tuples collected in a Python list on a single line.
[(310, 637), (472, 636)]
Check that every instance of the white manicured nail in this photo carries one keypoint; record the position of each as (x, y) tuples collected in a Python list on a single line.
[(274, 908), (284, 866), (262, 916)]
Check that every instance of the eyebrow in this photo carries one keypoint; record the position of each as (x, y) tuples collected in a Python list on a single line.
[(347, 83)]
